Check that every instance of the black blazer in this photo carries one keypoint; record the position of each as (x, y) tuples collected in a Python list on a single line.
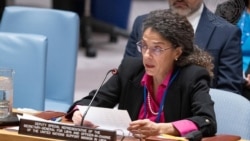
[(216, 36), (188, 96)]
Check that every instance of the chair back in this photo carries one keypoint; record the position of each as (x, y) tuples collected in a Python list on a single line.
[(26, 55), (232, 113), (62, 30)]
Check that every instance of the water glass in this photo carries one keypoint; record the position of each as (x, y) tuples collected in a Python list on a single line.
[(6, 92)]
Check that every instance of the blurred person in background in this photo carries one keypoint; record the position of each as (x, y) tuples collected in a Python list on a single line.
[(237, 12), (244, 25)]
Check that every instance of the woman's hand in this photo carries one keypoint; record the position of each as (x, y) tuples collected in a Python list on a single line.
[(247, 81), (77, 118), (145, 128)]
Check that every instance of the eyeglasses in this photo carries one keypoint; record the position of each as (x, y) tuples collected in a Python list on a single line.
[(156, 50)]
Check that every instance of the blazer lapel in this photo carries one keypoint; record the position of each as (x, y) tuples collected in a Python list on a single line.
[(205, 29), (137, 96)]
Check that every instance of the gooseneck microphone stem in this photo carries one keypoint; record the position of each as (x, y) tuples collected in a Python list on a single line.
[(114, 71)]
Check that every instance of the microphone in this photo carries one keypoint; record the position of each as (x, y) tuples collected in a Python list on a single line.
[(114, 72)]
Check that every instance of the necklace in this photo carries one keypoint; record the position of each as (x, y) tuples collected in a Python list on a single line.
[(150, 107), (145, 96)]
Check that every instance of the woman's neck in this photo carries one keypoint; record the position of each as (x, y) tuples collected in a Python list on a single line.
[(158, 80), (156, 84)]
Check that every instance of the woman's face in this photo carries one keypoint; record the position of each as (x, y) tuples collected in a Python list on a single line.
[(158, 53)]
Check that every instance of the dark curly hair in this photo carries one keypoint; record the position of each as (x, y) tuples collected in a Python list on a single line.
[(177, 30)]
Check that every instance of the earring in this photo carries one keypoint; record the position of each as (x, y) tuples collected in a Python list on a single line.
[(176, 59)]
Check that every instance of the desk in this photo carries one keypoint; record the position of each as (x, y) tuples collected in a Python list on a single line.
[(7, 135)]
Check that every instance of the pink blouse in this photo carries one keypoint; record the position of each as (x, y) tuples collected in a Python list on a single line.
[(153, 105)]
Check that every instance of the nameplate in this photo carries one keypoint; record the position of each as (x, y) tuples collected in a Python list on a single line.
[(64, 132)]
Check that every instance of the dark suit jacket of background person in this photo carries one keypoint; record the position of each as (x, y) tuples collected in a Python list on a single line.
[(246, 90), (216, 36), (190, 84)]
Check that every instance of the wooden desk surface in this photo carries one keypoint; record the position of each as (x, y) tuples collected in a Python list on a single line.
[(8, 135)]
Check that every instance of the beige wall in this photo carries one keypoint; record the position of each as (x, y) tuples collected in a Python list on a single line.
[(35, 3)]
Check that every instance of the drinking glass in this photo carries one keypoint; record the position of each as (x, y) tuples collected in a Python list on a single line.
[(6, 92)]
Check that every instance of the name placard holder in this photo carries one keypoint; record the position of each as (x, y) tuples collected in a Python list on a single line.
[(64, 132)]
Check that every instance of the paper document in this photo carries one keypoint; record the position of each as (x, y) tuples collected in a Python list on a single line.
[(166, 136), (109, 119)]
